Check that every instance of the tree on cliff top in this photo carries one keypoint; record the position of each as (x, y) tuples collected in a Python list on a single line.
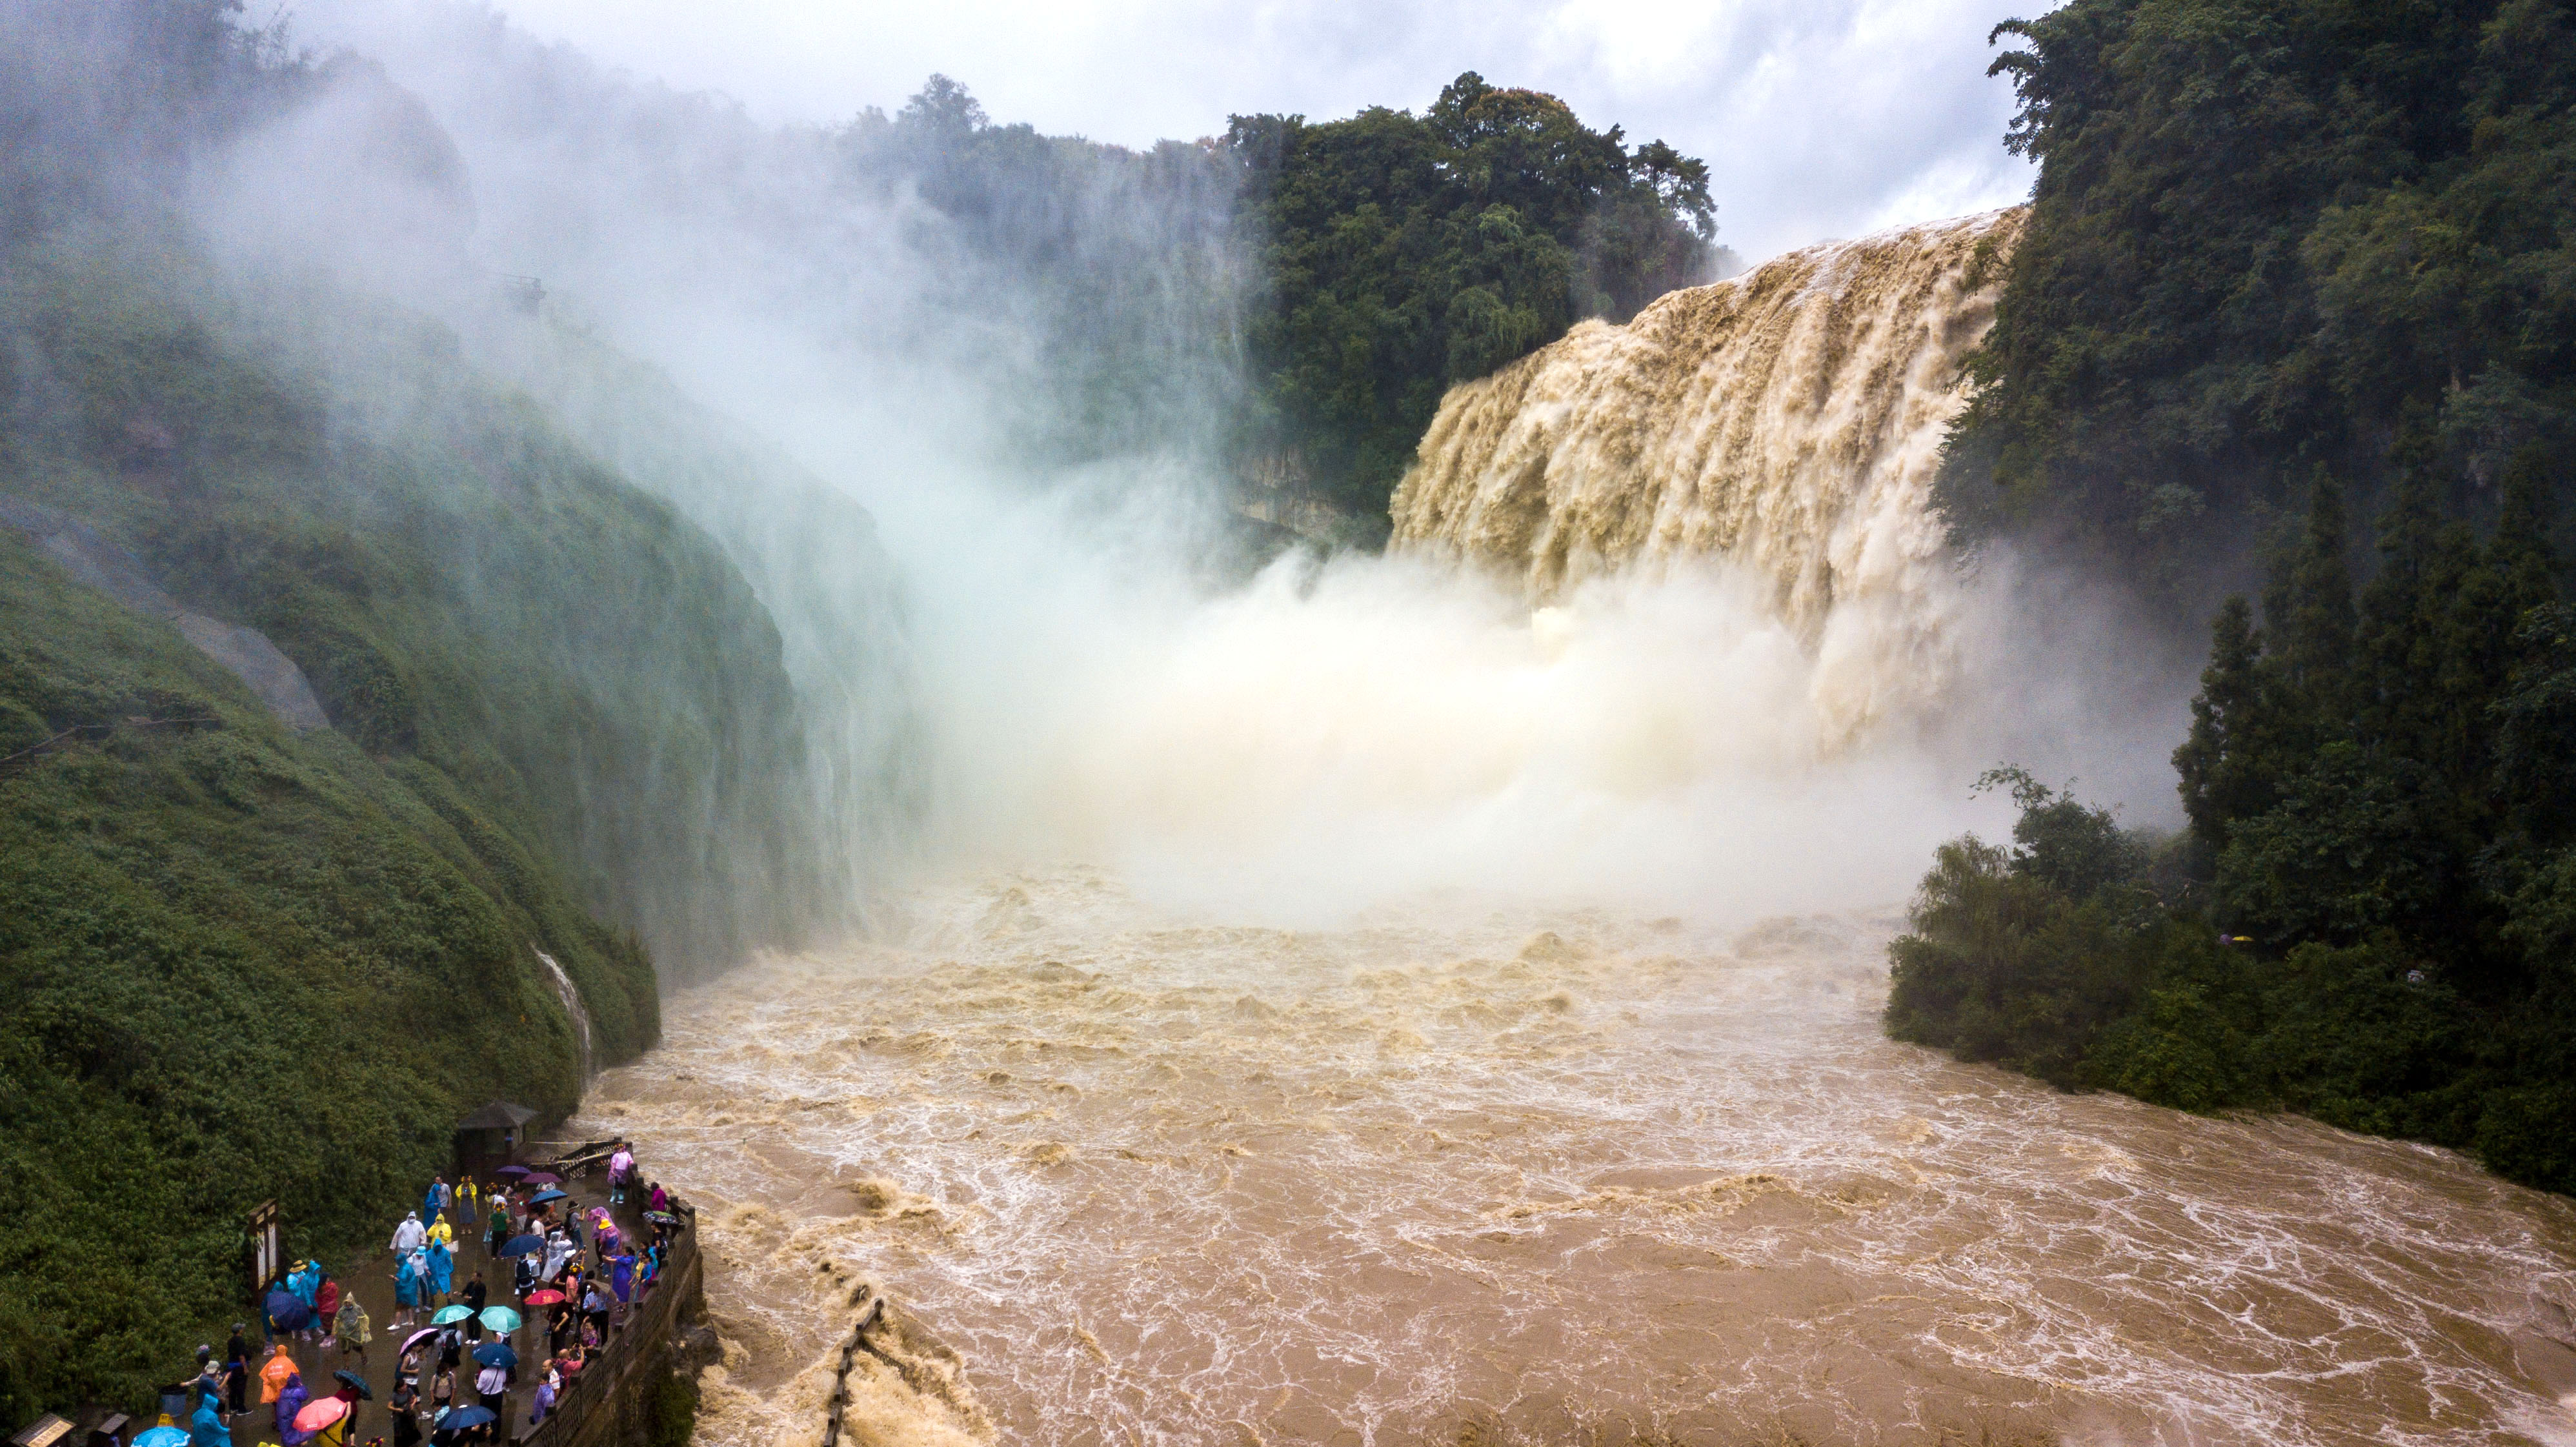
[(1404, 253)]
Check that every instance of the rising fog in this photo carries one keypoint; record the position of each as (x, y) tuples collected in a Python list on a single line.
[(971, 459)]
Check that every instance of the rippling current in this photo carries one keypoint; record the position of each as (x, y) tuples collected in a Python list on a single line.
[(1461, 1176)]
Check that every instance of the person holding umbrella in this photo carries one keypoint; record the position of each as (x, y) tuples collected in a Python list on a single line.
[(498, 1364), (316, 1419), (290, 1404), (352, 1391)]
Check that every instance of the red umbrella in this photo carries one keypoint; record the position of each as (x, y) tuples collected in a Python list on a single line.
[(547, 1297)]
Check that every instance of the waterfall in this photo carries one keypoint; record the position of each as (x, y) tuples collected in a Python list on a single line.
[(571, 997), (1787, 422)]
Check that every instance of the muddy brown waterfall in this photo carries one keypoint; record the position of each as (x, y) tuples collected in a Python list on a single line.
[(1789, 420)]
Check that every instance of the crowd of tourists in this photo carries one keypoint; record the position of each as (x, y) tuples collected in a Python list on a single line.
[(573, 1274)]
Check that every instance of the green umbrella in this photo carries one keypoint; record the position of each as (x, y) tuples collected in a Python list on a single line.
[(447, 1314), (501, 1319)]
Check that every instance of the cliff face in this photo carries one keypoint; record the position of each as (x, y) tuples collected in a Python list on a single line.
[(1786, 422)]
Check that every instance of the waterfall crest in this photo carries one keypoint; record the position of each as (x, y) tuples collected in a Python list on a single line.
[(1788, 422)]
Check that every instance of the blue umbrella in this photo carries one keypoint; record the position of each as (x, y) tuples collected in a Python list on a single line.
[(541, 1197), (496, 1354), (524, 1246), (501, 1319), (464, 1417), (161, 1437), (287, 1312)]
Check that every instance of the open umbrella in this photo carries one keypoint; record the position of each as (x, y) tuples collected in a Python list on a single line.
[(352, 1379), (513, 1172), (289, 1313), (547, 1297), (501, 1319), (464, 1417), (542, 1178), (160, 1437), (528, 1245), (496, 1354), (661, 1218), (319, 1413), (548, 1194), (447, 1314)]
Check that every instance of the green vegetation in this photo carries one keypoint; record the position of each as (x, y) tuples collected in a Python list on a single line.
[(1393, 255), (2371, 917), (2262, 234), (1403, 253), (241, 962), (2279, 254)]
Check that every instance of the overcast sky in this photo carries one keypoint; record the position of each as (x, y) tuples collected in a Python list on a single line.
[(1818, 118)]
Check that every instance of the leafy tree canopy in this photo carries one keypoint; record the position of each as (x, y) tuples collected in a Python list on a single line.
[(1403, 253), (2262, 234)]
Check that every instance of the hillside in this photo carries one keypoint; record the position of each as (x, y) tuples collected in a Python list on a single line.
[(248, 959)]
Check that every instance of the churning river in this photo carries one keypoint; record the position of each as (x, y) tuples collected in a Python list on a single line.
[(1135, 1166), (1462, 1175)]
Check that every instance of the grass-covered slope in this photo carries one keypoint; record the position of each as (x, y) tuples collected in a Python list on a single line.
[(240, 962)]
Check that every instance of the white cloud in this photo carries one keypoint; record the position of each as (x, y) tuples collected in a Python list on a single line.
[(1817, 117)]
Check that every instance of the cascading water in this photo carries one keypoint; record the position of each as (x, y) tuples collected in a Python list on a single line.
[(1789, 420), (570, 994)]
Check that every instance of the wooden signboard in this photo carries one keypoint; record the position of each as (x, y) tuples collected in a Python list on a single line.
[(263, 1235)]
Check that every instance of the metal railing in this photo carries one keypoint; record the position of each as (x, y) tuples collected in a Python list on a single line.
[(850, 1350), (647, 1322)]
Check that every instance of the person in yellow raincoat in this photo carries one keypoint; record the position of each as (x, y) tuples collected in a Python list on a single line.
[(275, 1373), (439, 1230)]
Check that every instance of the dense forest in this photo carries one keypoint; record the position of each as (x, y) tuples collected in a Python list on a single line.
[(2295, 297), (1403, 253), (1295, 296)]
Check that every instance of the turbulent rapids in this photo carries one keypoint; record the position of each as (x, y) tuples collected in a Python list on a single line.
[(1536, 1180), (1562, 1114)]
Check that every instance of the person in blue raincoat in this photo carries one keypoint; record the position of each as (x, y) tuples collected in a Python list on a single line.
[(290, 1402), (442, 1268), (206, 1428), (437, 1199), (406, 1289)]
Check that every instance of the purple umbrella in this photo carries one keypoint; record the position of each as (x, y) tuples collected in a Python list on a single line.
[(542, 1178), (289, 1313), (412, 1342), (511, 1171)]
